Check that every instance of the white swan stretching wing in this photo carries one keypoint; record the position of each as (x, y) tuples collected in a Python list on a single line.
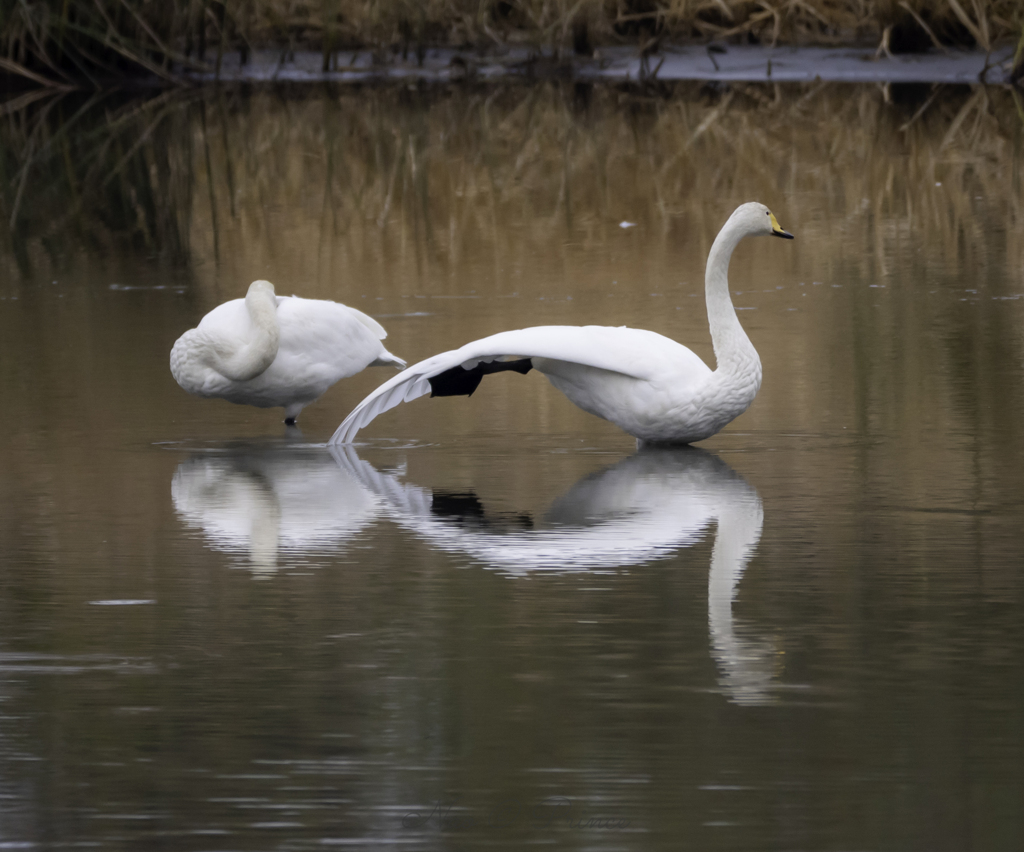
[(650, 386), (268, 351)]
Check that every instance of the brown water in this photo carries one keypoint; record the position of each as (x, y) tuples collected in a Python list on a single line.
[(494, 622)]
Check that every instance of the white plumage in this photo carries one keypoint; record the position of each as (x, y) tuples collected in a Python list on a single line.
[(274, 503), (268, 350), (650, 386)]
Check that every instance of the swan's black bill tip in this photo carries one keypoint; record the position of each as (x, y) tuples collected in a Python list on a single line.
[(786, 235)]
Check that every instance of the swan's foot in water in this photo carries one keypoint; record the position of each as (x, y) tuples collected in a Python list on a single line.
[(291, 414), (641, 444), (289, 421)]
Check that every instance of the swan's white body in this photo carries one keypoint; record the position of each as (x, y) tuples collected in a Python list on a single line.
[(648, 385), (268, 350)]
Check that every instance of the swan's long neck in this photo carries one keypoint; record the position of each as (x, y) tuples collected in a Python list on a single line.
[(734, 353), (261, 349)]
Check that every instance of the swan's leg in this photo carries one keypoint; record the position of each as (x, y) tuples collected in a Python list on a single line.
[(291, 413)]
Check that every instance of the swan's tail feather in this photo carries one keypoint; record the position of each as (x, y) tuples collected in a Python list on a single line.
[(386, 359)]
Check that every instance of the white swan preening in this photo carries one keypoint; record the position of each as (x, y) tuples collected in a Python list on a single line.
[(648, 385), (268, 350)]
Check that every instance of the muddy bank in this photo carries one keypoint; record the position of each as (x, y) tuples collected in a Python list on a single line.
[(747, 63)]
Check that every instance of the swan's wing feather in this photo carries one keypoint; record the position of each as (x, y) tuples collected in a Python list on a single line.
[(631, 352), (326, 336), (406, 386), (375, 327)]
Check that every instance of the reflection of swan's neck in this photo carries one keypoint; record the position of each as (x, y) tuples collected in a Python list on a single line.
[(261, 349), (265, 529), (737, 359), (745, 663), (739, 530)]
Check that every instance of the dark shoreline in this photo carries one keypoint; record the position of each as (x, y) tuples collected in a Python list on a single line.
[(738, 63), (707, 63)]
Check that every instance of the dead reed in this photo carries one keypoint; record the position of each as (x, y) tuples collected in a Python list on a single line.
[(185, 176), (75, 42)]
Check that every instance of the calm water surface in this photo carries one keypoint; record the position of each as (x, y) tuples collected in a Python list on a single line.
[(494, 621)]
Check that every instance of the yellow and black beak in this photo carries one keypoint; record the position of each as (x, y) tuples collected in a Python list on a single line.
[(777, 229)]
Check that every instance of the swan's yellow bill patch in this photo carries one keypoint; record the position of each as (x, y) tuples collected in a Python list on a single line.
[(777, 228)]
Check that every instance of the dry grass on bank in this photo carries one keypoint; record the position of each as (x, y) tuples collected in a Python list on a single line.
[(71, 42)]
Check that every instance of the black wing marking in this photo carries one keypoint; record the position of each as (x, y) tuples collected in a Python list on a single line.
[(459, 381)]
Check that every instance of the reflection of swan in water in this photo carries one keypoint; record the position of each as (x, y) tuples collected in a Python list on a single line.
[(646, 507), (746, 662), (267, 502)]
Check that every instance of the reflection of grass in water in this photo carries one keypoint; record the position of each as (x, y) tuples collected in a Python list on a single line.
[(451, 167), (93, 171), (57, 42)]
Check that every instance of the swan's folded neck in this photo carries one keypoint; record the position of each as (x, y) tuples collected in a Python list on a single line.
[(260, 350), (736, 358)]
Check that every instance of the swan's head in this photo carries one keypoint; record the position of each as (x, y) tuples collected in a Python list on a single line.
[(757, 220), (261, 288)]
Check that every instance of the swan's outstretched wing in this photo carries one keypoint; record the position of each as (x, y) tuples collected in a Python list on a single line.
[(629, 351)]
